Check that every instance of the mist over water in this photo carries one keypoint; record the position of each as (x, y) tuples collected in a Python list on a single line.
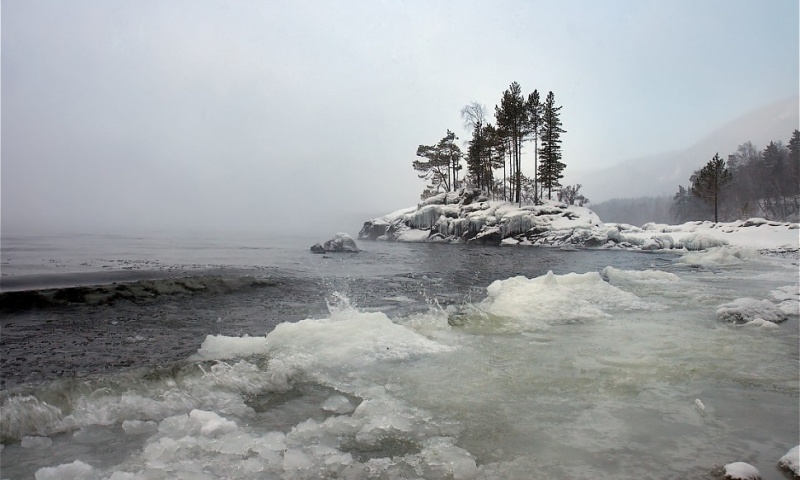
[(251, 359)]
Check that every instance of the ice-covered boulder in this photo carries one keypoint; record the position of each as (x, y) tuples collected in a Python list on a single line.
[(743, 310), (741, 471), (791, 461), (341, 242)]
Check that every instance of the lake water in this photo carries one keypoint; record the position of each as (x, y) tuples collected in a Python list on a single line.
[(250, 357)]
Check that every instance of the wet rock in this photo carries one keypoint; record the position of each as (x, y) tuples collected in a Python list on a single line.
[(341, 242)]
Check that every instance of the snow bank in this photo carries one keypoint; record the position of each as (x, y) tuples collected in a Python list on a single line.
[(469, 216)]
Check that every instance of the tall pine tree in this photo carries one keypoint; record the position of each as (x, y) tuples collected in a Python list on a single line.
[(551, 167), (710, 183), (535, 111), (512, 119)]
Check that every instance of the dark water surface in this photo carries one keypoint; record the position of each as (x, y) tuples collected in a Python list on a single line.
[(72, 306)]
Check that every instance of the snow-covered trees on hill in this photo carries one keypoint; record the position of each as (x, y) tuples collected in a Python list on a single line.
[(763, 183)]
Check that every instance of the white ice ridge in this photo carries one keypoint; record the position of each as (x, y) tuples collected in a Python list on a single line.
[(556, 299), (468, 215)]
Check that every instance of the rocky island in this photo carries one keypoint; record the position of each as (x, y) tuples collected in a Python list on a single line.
[(468, 215)]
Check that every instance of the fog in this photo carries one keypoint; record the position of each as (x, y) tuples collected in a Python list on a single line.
[(304, 117)]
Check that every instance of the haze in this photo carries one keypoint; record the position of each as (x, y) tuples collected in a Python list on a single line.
[(304, 117)]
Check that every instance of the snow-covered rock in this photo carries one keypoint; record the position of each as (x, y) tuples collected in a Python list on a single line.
[(469, 216), (744, 310), (791, 461), (341, 242), (741, 471)]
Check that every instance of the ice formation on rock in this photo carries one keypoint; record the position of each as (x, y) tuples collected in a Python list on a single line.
[(341, 242), (470, 216)]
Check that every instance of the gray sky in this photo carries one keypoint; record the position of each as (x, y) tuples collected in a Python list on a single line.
[(138, 116)]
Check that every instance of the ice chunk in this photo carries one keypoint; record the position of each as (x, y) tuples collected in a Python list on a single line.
[(616, 276), (719, 257), (701, 241), (558, 299), (211, 424), (791, 461), (743, 310), (785, 293), (348, 339), (700, 406), (761, 323), (220, 347), (790, 307), (296, 460), (136, 427), (76, 470), (741, 471), (338, 404)]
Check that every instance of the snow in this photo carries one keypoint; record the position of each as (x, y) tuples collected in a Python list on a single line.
[(467, 216), (741, 471), (791, 461)]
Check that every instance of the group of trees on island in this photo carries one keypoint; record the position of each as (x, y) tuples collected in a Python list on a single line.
[(752, 182), (493, 147)]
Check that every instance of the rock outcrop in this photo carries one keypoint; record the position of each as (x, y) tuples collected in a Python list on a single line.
[(341, 242)]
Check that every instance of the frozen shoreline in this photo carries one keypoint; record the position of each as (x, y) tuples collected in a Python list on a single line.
[(468, 216)]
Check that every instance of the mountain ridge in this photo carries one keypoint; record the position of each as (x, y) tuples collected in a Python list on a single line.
[(660, 174)]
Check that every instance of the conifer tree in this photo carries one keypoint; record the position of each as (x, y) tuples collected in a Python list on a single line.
[(535, 111), (710, 182), (512, 120), (441, 163), (551, 167)]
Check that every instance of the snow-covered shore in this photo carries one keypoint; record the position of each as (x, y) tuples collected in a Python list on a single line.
[(468, 216)]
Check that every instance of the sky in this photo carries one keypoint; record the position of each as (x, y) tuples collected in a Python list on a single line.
[(141, 116)]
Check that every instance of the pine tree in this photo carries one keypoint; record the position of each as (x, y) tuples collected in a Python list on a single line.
[(535, 112), (511, 117), (551, 167), (710, 182), (441, 163)]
